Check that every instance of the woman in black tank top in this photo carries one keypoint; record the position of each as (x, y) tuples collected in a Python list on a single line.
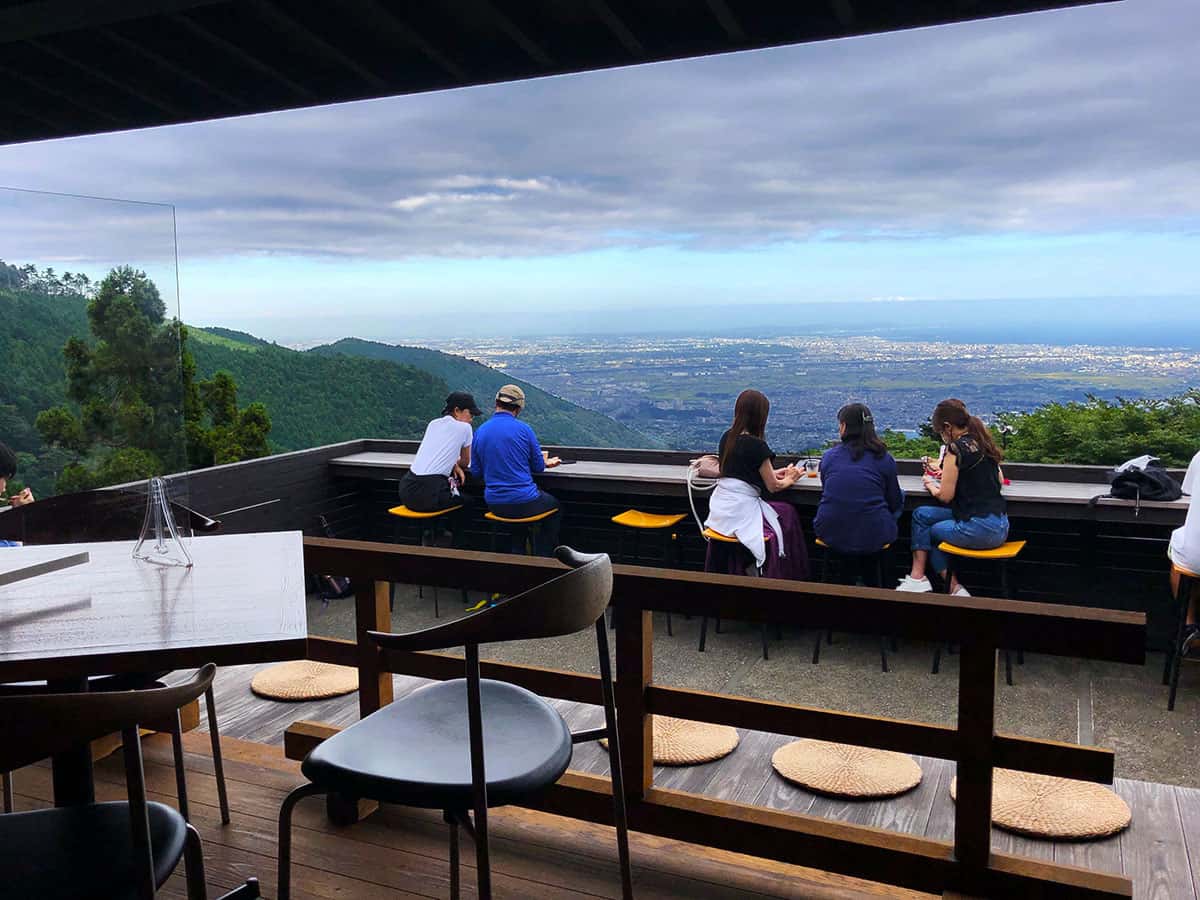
[(973, 513)]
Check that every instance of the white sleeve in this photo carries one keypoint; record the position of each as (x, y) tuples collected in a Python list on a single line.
[(469, 434), (1191, 481)]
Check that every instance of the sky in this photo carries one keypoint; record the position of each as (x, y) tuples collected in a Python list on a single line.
[(1050, 155)]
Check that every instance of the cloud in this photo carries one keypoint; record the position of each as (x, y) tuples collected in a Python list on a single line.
[(1053, 123)]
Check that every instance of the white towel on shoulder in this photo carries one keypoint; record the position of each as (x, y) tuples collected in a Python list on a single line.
[(737, 510)]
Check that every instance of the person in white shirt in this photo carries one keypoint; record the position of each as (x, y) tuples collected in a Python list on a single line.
[(439, 469), (1184, 551)]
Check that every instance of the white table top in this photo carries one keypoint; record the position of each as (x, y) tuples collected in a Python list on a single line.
[(1064, 492), (242, 601)]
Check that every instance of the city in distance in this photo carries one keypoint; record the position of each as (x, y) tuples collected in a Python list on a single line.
[(678, 390)]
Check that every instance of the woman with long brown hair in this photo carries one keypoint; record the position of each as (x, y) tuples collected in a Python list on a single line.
[(741, 504), (974, 513)]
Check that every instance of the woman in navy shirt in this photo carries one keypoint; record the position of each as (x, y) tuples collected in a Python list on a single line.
[(861, 497)]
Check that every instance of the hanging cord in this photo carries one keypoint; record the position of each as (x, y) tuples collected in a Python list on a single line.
[(695, 483)]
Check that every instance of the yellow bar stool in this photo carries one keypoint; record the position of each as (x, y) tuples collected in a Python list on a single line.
[(866, 562), (634, 522), (530, 525), (1187, 579), (710, 535), (1000, 555), (422, 524)]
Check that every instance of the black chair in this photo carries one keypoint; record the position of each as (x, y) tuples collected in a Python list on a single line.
[(111, 515), (112, 850), (1174, 653), (869, 567), (424, 527), (470, 744)]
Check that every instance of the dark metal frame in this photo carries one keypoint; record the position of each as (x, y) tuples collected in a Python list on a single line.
[(1006, 591), (506, 621), (36, 725), (875, 562)]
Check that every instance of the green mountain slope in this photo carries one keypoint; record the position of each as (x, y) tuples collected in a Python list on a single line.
[(555, 420), (315, 400)]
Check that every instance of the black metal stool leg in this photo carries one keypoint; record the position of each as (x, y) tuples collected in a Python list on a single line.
[(214, 736), (883, 652), (455, 883), (668, 540), (1177, 654), (816, 659), (180, 775), (937, 659), (703, 632), (764, 639), (1006, 589), (1180, 604)]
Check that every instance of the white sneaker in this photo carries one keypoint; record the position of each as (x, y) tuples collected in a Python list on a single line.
[(915, 585), (961, 592)]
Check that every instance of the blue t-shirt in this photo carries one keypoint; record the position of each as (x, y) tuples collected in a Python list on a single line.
[(506, 455), (860, 501)]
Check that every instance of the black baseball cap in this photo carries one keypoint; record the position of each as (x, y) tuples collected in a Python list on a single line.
[(461, 400)]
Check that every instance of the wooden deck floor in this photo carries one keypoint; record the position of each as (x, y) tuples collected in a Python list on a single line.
[(399, 852), (1160, 850)]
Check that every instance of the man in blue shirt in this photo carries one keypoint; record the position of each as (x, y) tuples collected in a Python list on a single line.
[(506, 455)]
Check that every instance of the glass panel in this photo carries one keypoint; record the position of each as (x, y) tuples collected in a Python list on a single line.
[(94, 390)]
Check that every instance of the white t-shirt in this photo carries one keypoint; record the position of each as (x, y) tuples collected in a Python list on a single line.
[(1185, 541), (442, 445)]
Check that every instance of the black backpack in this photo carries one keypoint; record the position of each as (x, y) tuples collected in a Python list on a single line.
[(1150, 483)]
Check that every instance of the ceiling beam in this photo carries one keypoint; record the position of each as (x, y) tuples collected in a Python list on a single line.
[(506, 25), (247, 59), (173, 67), (844, 10), (385, 21), (298, 32), (36, 83), (619, 29), (100, 75), (33, 20), (10, 106), (727, 20)]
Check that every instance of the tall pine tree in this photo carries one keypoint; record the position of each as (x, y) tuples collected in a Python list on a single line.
[(139, 411)]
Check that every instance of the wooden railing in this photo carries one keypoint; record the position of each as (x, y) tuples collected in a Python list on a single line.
[(978, 625)]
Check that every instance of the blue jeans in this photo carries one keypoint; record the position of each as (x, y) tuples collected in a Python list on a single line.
[(931, 525)]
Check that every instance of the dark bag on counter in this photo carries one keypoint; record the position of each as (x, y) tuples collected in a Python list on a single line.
[(1150, 483)]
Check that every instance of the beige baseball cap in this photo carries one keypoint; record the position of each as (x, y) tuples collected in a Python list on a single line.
[(511, 393)]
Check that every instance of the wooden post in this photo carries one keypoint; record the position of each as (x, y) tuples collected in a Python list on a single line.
[(372, 613), (635, 671), (976, 731)]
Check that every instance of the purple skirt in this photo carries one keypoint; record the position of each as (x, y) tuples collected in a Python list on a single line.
[(732, 559)]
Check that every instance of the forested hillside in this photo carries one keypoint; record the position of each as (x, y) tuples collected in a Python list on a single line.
[(316, 400), (555, 420)]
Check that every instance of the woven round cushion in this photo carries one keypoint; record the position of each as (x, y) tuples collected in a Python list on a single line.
[(1046, 806), (303, 679), (843, 770), (682, 742)]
